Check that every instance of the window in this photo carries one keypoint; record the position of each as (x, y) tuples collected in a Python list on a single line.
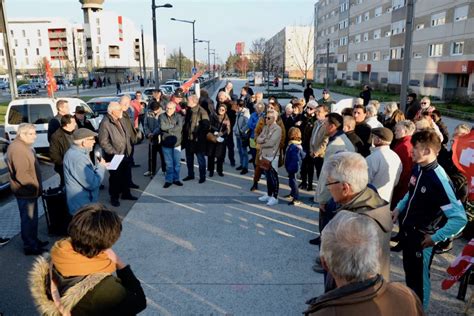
[(98, 31), (27, 61), (332, 29), (26, 51), (355, 76), (14, 52), (99, 41), (23, 32), (420, 26), (436, 50), (366, 37), (366, 16), (398, 27), (16, 43), (11, 32), (97, 20), (343, 24), (417, 55), (386, 56), (28, 42), (341, 58), (397, 4), (377, 34), (37, 52), (365, 57), (378, 11), (374, 76), (2, 53), (358, 19), (396, 53), (97, 49), (438, 19), (375, 56), (457, 48), (431, 80), (39, 41), (357, 57), (39, 32), (388, 33), (344, 7), (343, 41), (460, 13), (357, 38)]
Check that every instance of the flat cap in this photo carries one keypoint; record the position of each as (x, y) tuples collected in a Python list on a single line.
[(312, 104), (383, 133), (82, 133)]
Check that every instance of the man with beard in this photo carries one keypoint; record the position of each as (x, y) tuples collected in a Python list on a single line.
[(82, 177)]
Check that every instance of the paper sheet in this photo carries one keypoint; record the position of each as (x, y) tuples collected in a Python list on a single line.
[(114, 164)]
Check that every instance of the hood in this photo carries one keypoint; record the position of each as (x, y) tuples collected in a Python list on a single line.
[(353, 293), (369, 203)]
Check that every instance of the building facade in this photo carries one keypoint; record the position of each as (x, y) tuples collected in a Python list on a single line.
[(292, 49), (366, 45)]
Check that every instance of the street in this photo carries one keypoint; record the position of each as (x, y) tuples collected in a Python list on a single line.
[(212, 248)]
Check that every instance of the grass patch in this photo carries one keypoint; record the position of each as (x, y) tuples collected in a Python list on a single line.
[(456, 110), (381, 96), (278, 95), (286, 90)]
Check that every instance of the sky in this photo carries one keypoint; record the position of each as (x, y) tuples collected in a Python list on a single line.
[(223, 22)]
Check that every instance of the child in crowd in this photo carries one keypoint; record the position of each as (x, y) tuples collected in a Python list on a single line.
[(293, 158)]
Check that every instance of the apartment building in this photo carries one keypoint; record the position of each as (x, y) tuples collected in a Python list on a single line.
[(366, 44), (292, 49)]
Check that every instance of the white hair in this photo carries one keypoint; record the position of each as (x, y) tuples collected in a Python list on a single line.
[(193, 98), (350, 168), (407, 125), (391, 107), (350, 246), (375, 103), (113, 106), (289, 105), (25, 127), (371, 110)]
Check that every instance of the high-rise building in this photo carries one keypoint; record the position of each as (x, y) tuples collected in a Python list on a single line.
[(240, 48), (366, 44)]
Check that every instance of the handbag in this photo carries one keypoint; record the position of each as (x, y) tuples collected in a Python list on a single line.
[(210, 137), (266, 164)]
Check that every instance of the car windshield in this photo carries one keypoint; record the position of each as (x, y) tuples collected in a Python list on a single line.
[(30, 113)]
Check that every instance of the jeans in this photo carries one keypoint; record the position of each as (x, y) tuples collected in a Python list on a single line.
[(201, 162), (172, 159), (29, 222), (244, 157), (293, 185)]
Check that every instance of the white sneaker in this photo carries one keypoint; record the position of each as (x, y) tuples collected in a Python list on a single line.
[(264, 198), (272, 201), (148, 173)]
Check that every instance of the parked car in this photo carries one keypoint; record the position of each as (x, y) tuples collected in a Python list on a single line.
[(167, 89), (99, 105), (27, 89), (175, 83), (4, 85), (39, 83), (38, 111), (4, 176)]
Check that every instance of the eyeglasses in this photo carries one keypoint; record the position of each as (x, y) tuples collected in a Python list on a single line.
[(269, 118), (331, 183), (325, 93), (423, 103)]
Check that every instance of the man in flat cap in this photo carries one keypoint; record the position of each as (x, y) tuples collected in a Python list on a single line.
[(82, 177), (384, 164)]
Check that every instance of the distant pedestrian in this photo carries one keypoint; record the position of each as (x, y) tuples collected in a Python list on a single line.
[(366, 94), (119, 89), (308, 92), (26, 185), (82, 177), (413, 106), (326, 99), (293, 158)]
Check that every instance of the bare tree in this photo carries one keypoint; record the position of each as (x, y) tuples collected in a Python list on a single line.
[(40, 66), (302, 46)]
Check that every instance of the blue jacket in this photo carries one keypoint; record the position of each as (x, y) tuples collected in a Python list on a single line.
[(82, 178), (252, 123), (294, 156), (430, 201)]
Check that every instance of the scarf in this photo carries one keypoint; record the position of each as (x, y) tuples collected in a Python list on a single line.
[(296, 142), (71, 263)]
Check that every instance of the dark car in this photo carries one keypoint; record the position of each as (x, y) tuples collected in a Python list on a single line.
[(99, 105), (27, 89)]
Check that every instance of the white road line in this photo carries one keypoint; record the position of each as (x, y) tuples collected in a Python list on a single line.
[(176, 203)]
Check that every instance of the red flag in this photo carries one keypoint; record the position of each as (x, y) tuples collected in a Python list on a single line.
[(463, 158), (187, 85), (50, 81)]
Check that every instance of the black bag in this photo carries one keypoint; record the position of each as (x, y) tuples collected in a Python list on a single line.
[(56, 210)]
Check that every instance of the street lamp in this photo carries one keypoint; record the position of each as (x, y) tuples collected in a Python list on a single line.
[(194, 38), (155, 41), (208, 54), (213, 52)]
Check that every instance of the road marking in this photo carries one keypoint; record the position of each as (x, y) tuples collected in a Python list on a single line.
[(283, 233), (225, 183), (176, 203)]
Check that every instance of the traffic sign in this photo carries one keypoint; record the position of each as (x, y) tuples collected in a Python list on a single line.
[(194, 70)]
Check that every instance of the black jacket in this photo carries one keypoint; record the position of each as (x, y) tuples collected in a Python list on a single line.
[(365, 134), (84, 124), (171, 129), (195, 128), (114, 137)]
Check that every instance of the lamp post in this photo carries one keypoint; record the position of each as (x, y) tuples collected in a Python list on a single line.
[(155, 41), (208, 54), (75, 61), (194, 38), (327, 63), (213, 52)]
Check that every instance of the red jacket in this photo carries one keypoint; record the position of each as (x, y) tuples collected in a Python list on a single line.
[(137, 109), (403, 148)]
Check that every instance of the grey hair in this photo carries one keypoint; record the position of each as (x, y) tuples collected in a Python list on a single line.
[(24, 127), (113, 106), (371, 110), (391, 107), (358, 101), (124, 98), (350, 168), (78, 142), (375, 103), (463, 127), (349, 122), (407, 125), (193, 98), (350, 246)]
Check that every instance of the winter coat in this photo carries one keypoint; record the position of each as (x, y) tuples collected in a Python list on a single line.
[(252, 122), (319, 140), (151, 123), (241, 123), (53, 125), (84, 124), (373, 122), (293, 157), (375, 297), (403, 148), (82, 178), (60, 142), (355, 140), (114, 137), (366, 95), (368, 202), (385, 168), (336, 143), (412, 109), (195, 128), (96, 294), (364, 132), (444, 131), (327, 102), (269, 140), (309, 122), (24, 169), (308, 92), (171, 128), (218, 149), (259, 129)]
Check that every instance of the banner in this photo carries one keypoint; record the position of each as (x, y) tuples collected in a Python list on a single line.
[(463, 158), (187, 85), (51, 86)]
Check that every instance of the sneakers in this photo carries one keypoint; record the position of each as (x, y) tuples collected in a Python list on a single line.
[(294, 202), (264, 198), (202, 180), (272, 201), (4, 241), (221, 174), (114, 202), (147, 174), (244, 171)]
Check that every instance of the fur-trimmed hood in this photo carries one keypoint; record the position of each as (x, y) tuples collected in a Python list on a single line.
[(39, 281)]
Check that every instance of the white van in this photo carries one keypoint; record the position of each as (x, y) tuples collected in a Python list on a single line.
[(39, 111)]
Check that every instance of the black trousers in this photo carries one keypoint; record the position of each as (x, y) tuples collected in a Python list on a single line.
[(318, 164), (230, 147), (307, 169), (153, 150), (120, 179)]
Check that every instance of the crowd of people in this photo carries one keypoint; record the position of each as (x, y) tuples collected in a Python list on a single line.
[(368, 169)]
